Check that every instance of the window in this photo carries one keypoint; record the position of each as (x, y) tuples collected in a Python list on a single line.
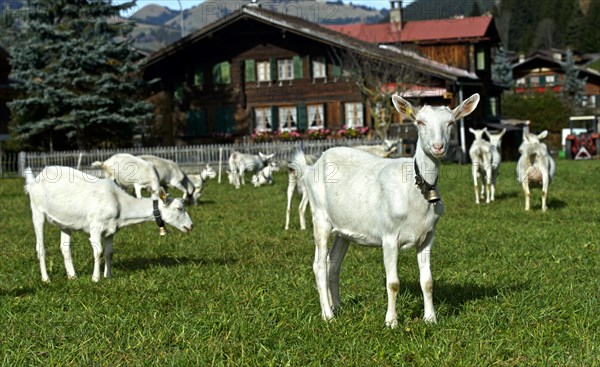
[(319, 68), (534, 81), (550, 80), (264, 71), (263, 119), (316, 118), (198, 76), (480, 60), (288, 119), (493, 106), (221, 73), (249, 70), (285, 69), (521, 82), (354, 115)]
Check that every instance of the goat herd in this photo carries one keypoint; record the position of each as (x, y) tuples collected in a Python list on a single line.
[(355, 194)]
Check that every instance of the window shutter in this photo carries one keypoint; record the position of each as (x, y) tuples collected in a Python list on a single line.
[(273, 63), (337, 69), (250, 70), (309, 67), (324, 117), (274, 118), (216, 74), (225, 74), (301, 116), (297, 67), (342, 114)]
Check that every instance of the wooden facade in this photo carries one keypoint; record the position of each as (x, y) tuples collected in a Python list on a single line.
[(258, 70)]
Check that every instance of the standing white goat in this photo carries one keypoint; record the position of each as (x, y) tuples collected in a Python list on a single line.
[(535, 165), (496, 157), (481, 159), (171, 175), (240, 163), (75, 201), (130, 171), (392, 203), (295, 183), (387, 148), (199, 181)]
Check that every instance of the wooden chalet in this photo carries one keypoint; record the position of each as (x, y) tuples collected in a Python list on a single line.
[(257, 70), (544, 71), (467, 44)]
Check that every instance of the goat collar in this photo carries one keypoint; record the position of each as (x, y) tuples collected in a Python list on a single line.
[(157, 218), (429, 192)]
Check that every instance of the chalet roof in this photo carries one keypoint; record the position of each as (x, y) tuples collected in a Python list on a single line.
[(305, 29), (542, 59), (420, 31)]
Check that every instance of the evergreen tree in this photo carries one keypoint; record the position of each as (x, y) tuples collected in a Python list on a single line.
[(573, 86), (502, 69), (590, 32), (78, 76), (475, 11)]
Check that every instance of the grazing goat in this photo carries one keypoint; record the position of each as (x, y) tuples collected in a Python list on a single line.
[(240, 163), (387, 148), (392, 203), (481, 159), (496, 157), (130, 171), (171, 175), (75, 201), (200, 180), (535, 165), (295, 184)]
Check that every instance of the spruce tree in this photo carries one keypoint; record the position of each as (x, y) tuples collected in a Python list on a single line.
[(573, 86), (78, 76), (502, 69)]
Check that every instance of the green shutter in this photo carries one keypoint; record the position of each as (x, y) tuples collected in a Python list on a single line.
[(274, 118), (250, 70), (196, 123), (542, 80), (273, 63), (226, 120), (217, 78), (310, 67), (342, 114), (301, 116), (337, 69), (324, 115), (225, 72), (297, 67)]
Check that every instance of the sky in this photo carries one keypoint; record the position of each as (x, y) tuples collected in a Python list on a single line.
[(174, 4)]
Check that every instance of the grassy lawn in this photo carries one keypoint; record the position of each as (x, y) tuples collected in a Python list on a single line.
[(510, 287)]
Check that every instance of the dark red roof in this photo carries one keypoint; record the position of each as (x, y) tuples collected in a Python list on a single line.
[(418, 31)]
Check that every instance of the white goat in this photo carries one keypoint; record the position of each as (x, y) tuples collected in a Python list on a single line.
[(481, 159), (200, 180), (75, 201), (392, 203), (294, 184), (265, 175), (387, 148), (171, 175), (240, 163), (496, 157), (535, 165), (130, 171)]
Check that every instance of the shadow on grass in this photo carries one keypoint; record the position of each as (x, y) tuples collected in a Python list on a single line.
[(506, 195), (144, 263), (17, 292)]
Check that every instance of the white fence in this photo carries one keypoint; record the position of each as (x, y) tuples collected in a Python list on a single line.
[(190, 158)]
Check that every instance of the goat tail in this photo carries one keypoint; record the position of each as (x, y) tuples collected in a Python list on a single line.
[(29, 178), (299, 165)]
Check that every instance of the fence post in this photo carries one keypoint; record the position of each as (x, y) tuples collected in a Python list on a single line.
[(22, 158), (220, 162)]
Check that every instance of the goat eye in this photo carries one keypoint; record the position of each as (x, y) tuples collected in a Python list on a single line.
[(420, 123)]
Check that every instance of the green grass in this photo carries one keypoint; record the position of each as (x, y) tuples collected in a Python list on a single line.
[(511, 288)]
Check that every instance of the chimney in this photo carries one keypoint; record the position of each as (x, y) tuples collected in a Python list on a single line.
[(396, 15)]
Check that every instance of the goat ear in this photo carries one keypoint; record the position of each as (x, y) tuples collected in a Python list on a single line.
[(465, 108), (502, 132), (472, 131), (404, 107), (543, 135)]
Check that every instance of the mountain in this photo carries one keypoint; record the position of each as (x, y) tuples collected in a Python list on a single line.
[(159, 26)]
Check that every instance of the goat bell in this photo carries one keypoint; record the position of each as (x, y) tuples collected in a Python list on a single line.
[(433, 196), (162, 231)]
